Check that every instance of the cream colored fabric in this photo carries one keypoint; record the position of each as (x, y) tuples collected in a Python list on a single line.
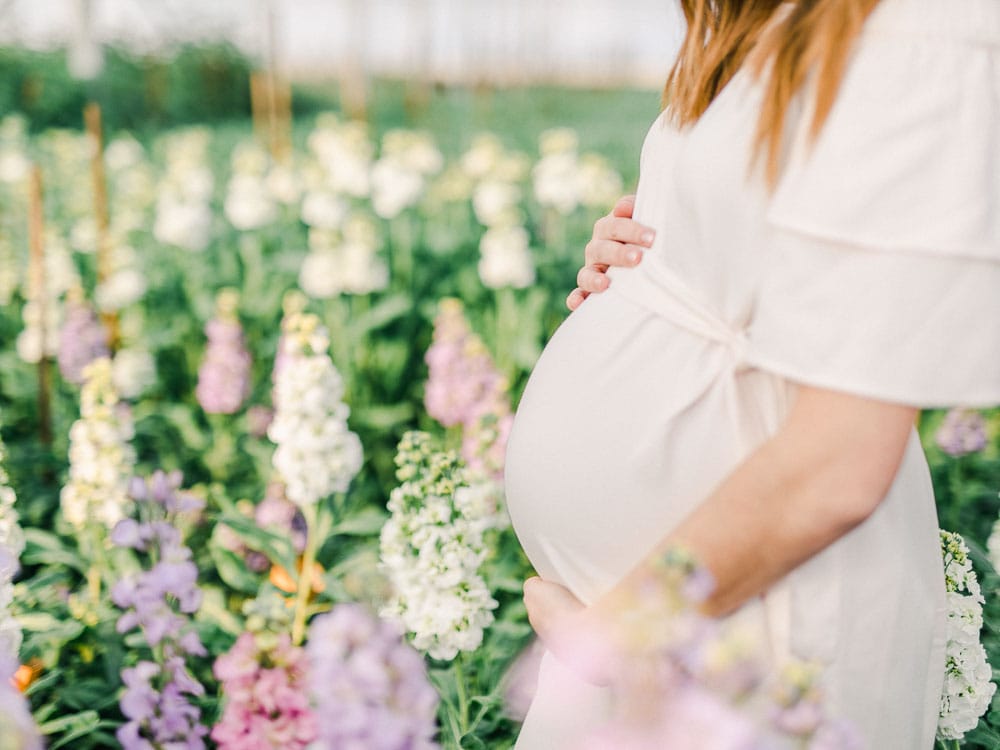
[(873, 269)]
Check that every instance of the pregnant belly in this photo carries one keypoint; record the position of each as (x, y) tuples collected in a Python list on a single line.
[(619, 434)]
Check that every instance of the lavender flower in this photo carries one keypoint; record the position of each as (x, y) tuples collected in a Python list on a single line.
[(465, 388), (157, 698), (369, 687), (17, 728), (963, 431), (224, 375), (275, 513), (82, 339), (263, 679)]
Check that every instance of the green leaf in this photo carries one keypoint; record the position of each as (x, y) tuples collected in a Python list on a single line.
[(277, 547), (45, 548), (367, 520), (232, 569), (87, 720), (382, 416), (382, 313)]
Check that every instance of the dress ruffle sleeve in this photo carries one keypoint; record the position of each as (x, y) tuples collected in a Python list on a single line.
[(882, 271)]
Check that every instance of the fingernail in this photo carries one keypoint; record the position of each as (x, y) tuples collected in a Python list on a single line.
[(647, 238), (632, 256)]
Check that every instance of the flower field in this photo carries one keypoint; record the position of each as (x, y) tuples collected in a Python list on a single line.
[(253, 406)]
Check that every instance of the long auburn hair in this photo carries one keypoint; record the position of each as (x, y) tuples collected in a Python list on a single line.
[(720, 37)]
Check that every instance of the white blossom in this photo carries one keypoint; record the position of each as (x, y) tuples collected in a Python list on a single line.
[(323, 209), (496, 202), (316, 453), (249, 204), (11, 546), (100, 457), (133, 371), (993, 546), (505, 258), (344, 153), (968, 689), (183, 208), (432, 546)]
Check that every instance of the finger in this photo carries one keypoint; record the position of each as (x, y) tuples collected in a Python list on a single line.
[(620, 229), (592, 278), (624, 206), (610, 253), (576, 298)]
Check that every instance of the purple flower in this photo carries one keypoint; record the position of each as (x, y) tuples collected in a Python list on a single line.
[(370, 688), (18, 727), (158, 600), (224, 375), (465, 388), (82, 339), (963, 431)]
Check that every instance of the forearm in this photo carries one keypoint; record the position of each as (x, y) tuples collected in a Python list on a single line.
[(819, 477)]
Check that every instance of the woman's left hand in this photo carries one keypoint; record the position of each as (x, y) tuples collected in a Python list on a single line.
[(568, 629)]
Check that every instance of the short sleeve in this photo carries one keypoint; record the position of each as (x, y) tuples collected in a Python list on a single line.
[(882, 268)]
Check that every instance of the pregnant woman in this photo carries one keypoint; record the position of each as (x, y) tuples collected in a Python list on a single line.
[(824, 188)]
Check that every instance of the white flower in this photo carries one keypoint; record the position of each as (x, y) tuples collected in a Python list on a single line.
[(431, 549), (185, 224), (121, 289), (100, 457), (40, 336), (344, 152), (350, 267), (316, 453), (248, 202), (968, 689), (557, 181), (11, 546), (483, 156), (323, 209), (394, 187), (505, 259), (600, 185), (993, 546), (133, 371), (496, 202)]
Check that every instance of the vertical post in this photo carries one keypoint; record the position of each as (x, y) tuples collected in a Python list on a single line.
[(37, 294), (95, 131), (353, 81)]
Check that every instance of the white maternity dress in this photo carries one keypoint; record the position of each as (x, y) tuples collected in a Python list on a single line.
[(874, 269)]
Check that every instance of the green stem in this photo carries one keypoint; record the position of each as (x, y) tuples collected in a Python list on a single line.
[(463, 700), (955, 487), (304, 581)]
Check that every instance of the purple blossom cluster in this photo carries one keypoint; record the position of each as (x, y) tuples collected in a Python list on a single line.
[(263, 678), (157, 699), (962, 431), (82, 339), (465, 388), (370, 688), (224, 375), (274, 513)]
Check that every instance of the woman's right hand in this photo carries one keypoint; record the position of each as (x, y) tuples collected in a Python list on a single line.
[(617, 241)]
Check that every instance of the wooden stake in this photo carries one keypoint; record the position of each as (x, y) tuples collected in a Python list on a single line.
[(37, 294), (95, 131), (258, 105)]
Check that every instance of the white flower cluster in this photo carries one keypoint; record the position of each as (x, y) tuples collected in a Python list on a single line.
[(11, 546), (43, 317), (433, 546), (100, 457), (565, 179), (967, 683), (343, 154), (505, 258), (14, 162), (993, 546), (183, 207), (316, 453), (345, 261), (400, 175), (125, 284), (249, 203)]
